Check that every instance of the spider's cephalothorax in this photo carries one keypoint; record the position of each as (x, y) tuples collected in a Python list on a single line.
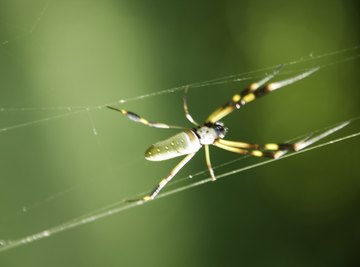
[(210, 132), (189, 141)]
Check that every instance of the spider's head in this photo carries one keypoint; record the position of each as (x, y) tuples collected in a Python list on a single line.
[(220, 129), (208, 133)]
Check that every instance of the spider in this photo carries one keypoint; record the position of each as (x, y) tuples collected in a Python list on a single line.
[(212, 132)]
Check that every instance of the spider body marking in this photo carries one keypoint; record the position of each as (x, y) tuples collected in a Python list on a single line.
[(183, 143), (186, 142), (212, 132)]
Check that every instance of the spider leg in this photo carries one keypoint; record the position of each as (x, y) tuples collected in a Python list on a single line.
[(186, 109), (311, 140), (208, 162), (136, 118), (274, 150), (244, 151), (254, 91), (269, 150), (165, 180), (254, 147)]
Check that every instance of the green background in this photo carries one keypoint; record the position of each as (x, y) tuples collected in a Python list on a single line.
[(301, 211)]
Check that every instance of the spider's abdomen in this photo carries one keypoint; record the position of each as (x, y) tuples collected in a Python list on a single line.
[(180, 144)]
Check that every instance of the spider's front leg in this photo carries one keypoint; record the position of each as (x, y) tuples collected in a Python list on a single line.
[(269, 150), (253, 92), (274, 150)]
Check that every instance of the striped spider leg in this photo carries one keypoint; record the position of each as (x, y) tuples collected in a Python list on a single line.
[(183, 143), (136, 118), (249, 94), (212, 132), (254, 91), (273, 150)]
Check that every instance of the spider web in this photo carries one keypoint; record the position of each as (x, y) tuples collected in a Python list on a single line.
[(123, 205), (87, 113)]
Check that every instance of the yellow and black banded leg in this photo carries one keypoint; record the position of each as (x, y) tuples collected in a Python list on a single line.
[(269, 150), (136, 118), (186, 109), (279, 150), (252, 92), (274, 150), (243, 151), (208, 162), (167, 179)]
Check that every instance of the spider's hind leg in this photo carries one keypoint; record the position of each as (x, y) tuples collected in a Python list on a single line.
[(136, 118), (165, 180)]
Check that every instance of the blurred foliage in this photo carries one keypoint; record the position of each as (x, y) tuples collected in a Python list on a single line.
[(301, 211)]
